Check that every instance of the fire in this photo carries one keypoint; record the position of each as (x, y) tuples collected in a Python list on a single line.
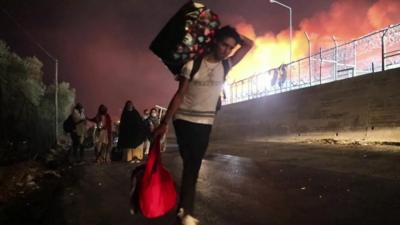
[(272, 50)]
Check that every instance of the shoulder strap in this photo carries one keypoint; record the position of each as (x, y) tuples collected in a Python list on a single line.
[(196, 66), (227, 67)]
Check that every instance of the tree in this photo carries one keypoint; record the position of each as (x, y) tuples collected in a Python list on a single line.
[(66, 99), (27, 104)]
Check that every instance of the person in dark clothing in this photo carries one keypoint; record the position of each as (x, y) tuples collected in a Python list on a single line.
[(79, 132), (132, 133)]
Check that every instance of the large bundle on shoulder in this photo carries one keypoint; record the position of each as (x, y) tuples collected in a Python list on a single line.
[(186, 36)]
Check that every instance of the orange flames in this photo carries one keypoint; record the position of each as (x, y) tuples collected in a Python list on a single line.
[(346, 20)]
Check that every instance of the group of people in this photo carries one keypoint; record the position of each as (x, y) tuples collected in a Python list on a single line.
[(102, 138), (133, 132)]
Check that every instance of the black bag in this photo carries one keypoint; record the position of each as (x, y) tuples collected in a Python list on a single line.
[(136, 177), (69, 125), (187, 35), (116, 154)]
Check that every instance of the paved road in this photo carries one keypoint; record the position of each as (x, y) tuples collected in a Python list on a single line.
[(254, 184)]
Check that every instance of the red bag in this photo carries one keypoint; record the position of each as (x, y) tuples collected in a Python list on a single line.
[(157, 193)]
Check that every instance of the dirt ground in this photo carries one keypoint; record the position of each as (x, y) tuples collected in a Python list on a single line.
[(250, 183)]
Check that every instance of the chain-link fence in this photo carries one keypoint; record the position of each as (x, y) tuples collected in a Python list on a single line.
[(374, 52)]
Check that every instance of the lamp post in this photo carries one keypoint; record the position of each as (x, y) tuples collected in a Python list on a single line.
[(290, 27)]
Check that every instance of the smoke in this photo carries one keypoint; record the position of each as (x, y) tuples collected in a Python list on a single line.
[(384, 13), (345, 20)]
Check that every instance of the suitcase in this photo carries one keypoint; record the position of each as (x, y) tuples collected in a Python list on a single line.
[(116, 154)]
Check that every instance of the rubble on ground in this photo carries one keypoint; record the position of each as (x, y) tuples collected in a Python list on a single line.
[(25, 177)]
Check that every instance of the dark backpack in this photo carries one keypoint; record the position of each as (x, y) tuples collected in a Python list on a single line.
[(69, 124), (136, 178), (196, 66)]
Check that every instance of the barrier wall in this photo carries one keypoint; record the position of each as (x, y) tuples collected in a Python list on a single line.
[(364, 108)]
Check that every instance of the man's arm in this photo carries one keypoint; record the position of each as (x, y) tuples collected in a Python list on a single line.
[(173, 106), (76, 117), (245, 47), (94, 119)]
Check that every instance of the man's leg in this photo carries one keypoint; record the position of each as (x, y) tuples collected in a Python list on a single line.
[(146, 147), (108, 151), (98, 152), (125, 155), (193, 141), (81, 148), (75, 145), (163, 143), (130, 156), (139, 150), (82, 152)]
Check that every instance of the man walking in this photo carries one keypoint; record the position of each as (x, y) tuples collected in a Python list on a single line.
[(193, 109), (79, 132)]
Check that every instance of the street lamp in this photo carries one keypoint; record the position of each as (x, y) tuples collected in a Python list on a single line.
[(290, 27)]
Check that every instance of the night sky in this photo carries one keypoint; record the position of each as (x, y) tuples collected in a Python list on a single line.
[(102, 45)]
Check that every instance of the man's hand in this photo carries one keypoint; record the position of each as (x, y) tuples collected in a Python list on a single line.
[(246, 45), (160, 130)]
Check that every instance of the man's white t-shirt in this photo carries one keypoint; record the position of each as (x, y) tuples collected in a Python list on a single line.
[(200, 101)]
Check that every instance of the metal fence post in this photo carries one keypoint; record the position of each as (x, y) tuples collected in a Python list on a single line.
[(320, 66), (298, 82), (309, 55), (234, 92), (383, 48), (335, 58), (355, 59), (249, 87)]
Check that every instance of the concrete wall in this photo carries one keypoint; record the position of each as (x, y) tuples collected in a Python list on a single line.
[(364, 108)]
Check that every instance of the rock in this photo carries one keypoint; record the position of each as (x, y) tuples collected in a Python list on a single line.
[(31, 184), (29, 178), (52, 172), (49, 157), (53, 151)]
